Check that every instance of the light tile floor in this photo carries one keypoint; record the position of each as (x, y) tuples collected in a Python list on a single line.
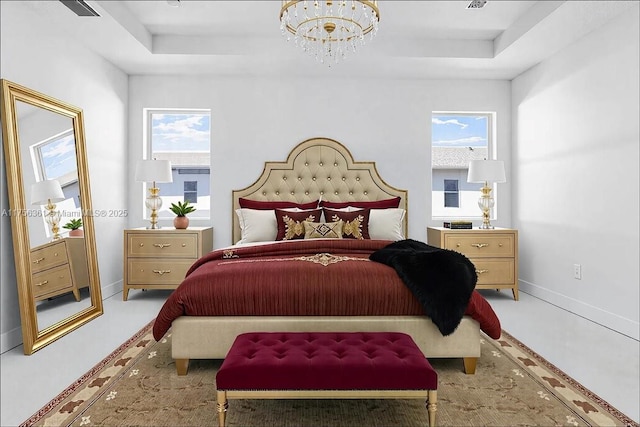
[(602, 360)]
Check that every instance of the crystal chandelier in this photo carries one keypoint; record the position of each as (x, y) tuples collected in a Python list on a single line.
[(329, 30)]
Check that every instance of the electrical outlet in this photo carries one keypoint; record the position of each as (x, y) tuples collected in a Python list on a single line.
[(577, 271)]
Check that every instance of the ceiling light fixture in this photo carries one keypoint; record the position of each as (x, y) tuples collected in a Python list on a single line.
[(173, 3), (477, 4), (329, 30)]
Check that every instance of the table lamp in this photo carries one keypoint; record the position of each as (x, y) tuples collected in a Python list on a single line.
[(48, 193), (153, 171), (486, 171)]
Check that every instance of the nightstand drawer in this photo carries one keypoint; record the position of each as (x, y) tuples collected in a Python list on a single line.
[(163, 245), (494, 271), (157, 272), (49, 256), (52, 281), (479, 245)]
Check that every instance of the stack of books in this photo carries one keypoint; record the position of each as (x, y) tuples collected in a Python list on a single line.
[(459, 225)]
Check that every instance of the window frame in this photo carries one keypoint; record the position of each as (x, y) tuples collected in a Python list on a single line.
[(491, 118), (148, 149)]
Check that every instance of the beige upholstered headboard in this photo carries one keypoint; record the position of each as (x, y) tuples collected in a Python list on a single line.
[(318, 168)]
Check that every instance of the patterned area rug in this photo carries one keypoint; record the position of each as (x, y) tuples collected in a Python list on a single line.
[(137, 385)]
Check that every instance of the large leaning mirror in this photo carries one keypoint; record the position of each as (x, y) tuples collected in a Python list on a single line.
[(51, 221)]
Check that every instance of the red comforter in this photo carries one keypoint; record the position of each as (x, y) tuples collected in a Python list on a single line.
[(332, 277)]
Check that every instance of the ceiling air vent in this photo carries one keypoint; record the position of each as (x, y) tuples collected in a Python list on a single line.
[(477, 4), (79, 7)]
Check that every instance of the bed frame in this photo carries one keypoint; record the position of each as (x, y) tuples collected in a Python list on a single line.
[(318, 168)]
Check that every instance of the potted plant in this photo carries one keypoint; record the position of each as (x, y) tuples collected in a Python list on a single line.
[(181, 210), (74, 225)]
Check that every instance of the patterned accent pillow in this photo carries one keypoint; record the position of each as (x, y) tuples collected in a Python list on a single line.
[(356, 223), (290, 222), (322, 230)]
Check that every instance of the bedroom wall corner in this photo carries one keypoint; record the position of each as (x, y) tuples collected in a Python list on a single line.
[(63, 68), (576, 154)]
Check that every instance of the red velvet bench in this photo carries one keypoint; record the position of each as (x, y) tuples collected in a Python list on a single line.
[(325, 365)]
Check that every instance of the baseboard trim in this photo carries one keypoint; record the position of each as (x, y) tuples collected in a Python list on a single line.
[(604, 318), (13, 338), (111, 289), (10, 339)]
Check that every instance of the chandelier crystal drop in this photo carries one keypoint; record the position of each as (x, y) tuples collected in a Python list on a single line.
[(329, 30)]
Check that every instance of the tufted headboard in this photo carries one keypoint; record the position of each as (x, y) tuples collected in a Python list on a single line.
[(318, 168)]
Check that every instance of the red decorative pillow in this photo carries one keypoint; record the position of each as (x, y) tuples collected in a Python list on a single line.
[(376, 204), (290, 223), (355, 224), (281, 204)]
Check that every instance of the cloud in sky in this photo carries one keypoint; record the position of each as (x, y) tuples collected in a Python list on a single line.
[(59, 156), (470, 141), (62, 147), (181, 132), (437, 121)]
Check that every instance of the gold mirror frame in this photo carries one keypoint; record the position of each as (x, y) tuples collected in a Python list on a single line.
[(33, 338)]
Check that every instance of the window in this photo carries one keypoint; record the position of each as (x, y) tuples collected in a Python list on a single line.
[(451, 196), (184, 138), (191, 191), (55, 158), (456, 139)]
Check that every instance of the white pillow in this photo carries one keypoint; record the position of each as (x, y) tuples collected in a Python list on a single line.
[(257, 225), (386, 224)]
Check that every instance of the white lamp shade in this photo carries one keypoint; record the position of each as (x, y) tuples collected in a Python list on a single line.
[(43, 191), (153, 170), (486, 171)]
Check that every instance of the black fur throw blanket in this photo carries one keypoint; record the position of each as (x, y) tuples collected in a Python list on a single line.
[(441, 279)]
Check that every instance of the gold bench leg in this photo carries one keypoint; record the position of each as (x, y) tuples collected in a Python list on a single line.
[(470, 365), (432, 403), (222, 406)]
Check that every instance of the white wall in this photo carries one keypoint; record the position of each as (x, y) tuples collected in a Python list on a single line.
[(64, 69), (576, 175), (256, 119)]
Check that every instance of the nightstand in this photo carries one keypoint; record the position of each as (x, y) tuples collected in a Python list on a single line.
[(493, 252), (159, 259), (59, 267)]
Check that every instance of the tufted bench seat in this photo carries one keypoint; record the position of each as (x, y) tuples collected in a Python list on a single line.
[(325, 365)]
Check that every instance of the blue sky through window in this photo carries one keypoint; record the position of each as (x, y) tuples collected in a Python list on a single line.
[(458, 130), (59, 156), (180, 132)]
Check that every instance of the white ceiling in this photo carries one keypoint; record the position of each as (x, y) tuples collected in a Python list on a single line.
[(416, 39)]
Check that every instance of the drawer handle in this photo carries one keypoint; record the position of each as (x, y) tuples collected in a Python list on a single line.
[(162, 245), (42, 283), (479, 245), (161, 272), (482, 271), (184, 244), (38, 261)]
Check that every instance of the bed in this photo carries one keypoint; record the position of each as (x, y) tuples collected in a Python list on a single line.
[(317, 171)]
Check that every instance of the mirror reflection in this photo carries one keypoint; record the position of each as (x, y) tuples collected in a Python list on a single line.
[(50, 175), (54, 243)]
